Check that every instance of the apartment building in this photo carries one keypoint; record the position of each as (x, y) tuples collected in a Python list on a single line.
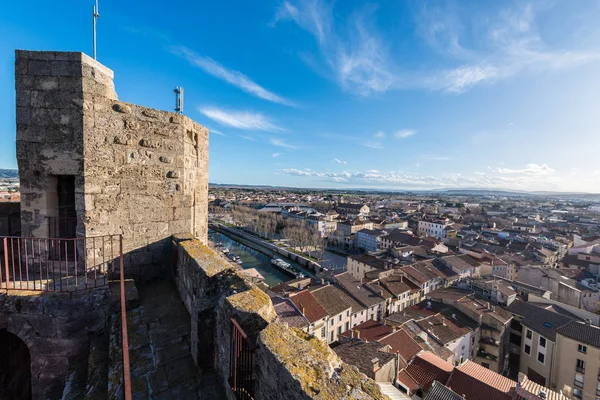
[(533, 341), (577, 367), (438, 228), (359, 264), (316, 315), (338, 310)]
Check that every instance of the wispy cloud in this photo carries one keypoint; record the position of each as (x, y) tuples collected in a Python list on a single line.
[(282, 143), (379, 135), (530, 169), (250, 138), (337, 160), (275, 155), (399, 179), (354, 55), (508, 44), (373, 144), (216, 132), (470, 51), (240, 119), (403, 134), (230, 76)]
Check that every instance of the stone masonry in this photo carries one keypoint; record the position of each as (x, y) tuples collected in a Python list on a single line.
[(138, 172)]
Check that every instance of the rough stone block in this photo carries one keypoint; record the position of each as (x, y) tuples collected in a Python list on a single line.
[(61, 68), (46, 83), (39, 67), (122, 108), (173, 174), (166, 159)]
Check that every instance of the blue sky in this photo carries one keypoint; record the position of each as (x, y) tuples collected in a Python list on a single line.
[(389, 94)]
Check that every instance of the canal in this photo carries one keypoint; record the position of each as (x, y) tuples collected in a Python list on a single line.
[(254, 259)]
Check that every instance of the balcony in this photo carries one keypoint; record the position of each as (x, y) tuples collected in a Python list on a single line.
[(580, 370), (488, 356)]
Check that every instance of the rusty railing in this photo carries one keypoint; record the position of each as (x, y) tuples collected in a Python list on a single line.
[(67, 265), (241, 366), (58, 265)]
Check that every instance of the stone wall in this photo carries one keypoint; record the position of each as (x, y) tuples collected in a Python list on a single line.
[(55, 327), (288, 363), (139, 172)]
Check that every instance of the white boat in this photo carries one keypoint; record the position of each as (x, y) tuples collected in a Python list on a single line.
[(286, 267), (225, 250)]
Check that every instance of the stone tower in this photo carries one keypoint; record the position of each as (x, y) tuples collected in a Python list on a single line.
[(91, 165)]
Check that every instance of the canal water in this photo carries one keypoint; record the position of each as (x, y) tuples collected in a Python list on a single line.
[(253, 259)]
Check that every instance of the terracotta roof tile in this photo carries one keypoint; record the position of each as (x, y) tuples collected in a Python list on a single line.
[(402, 343), (476, 382), (427, 367), (370, 331), (309, 306)]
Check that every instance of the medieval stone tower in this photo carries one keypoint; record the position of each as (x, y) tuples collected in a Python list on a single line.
[(91, 165)]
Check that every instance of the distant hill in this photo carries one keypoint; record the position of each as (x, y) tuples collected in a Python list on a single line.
[(9, 173)]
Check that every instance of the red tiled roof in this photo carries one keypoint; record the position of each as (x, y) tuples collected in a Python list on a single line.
[(408, 381), (309, 306), (477, 382), (427, 367), (371, 331), (402, 343)]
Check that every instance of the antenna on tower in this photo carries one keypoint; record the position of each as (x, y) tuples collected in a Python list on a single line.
[(95, 16), (178, 100)]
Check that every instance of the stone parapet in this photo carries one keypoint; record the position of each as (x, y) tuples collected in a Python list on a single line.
[(288, 363)]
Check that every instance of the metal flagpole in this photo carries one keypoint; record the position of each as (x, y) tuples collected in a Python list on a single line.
[(95, 16)]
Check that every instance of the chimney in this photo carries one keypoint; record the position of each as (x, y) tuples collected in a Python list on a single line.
[(357, 334), (301, 307), (322, 281), (375, 362), (443, 321), (489, 306)]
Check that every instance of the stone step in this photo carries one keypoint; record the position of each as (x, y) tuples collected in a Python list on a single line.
[(97, 376)]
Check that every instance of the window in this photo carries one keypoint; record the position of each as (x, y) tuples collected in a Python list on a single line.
[(541, 357), (528, 334), (340, 318), (347, 325), (331, 322), (527, 349), (331, 336), (486, 365), (578, 380), (578, 393), (542, 342), (348, 313), (581, 348), (339, 330), (580, 366), (598, 389), (323, 332)]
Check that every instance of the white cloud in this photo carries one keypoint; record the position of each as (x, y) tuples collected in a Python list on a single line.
[(530, 169), (281, 143), (230, 76), (379, 135), (240, 119), (373, 144), (472, 50), (509, 42), (403, 134), (374, 178), (337, 160), (275, 155), (354, 55), (216, 132), (250, 138)]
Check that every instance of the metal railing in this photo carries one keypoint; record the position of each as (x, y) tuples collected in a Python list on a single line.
[(58, 265), (241, 367), (67, 265)]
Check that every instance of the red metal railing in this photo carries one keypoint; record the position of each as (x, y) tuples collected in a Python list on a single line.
[(58, 265), (66, 265), (241, 367)]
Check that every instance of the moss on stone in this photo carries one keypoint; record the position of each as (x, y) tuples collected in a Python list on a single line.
[(205, 257), (318, 370), (253, 300)]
